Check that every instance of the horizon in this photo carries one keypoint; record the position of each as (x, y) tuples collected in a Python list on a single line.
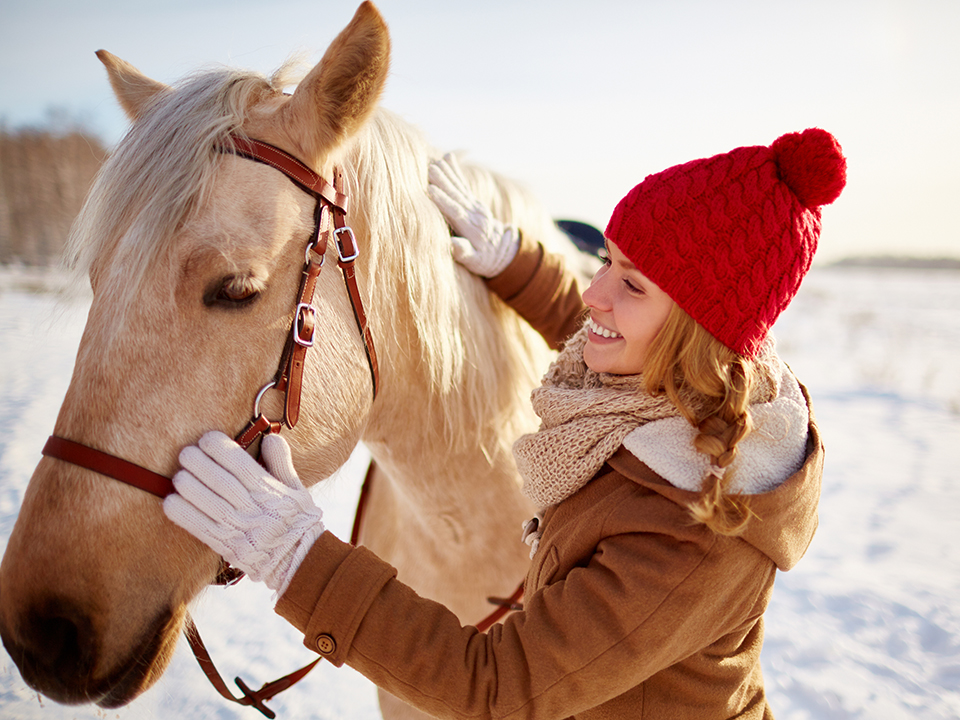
[(577, 105)]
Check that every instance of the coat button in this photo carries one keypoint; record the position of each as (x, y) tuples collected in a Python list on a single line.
[(326, 644)]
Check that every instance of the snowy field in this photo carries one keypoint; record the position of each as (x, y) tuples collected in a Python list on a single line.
[(868, 625)]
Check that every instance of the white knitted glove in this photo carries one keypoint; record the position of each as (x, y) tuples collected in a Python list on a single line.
[(487, 246), (261, 521)]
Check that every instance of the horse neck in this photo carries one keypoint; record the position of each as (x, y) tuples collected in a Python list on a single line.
[(431, 442), (434, 417), (439, 444)]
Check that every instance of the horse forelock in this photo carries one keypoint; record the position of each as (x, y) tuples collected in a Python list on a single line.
[(163, 169)]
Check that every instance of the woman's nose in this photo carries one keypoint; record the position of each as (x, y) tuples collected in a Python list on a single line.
[(597, 295)]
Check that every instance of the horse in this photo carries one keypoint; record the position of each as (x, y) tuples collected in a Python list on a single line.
[(193, 255)]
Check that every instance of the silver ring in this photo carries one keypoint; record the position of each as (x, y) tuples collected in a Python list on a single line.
[(256, 402)]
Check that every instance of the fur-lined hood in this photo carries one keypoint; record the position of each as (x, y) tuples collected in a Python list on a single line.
[(785, 509)]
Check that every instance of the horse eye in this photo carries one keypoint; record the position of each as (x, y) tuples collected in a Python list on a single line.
[(233, 292)]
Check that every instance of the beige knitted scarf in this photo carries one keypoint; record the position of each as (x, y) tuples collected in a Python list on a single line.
[(586, 415)]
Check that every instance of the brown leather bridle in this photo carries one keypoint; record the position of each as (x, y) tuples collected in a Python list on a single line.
[(331, 210), (331, 207)]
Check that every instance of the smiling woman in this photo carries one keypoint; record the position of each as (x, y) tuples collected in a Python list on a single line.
[(627, 310), (651, 572)]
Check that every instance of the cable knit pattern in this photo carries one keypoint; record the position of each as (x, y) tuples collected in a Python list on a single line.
[(730, 237), (261, 520), (585, 417), (771, 453)]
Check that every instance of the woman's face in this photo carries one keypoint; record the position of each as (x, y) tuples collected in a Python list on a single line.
[(626, 312)]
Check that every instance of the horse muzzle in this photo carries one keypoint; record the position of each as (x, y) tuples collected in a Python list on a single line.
[(58, 651)]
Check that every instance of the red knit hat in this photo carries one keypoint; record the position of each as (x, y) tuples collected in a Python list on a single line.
[(729, 238)]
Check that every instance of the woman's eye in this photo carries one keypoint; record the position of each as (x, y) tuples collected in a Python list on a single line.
[(633, 288)]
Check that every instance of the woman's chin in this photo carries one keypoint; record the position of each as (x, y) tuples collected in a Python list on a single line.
[(595, 357), (606, 355)]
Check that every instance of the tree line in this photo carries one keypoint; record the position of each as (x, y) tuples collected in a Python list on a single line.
[(44, 177)]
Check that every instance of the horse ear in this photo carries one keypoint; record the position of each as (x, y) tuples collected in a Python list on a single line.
[(133, 89), (337, 96)]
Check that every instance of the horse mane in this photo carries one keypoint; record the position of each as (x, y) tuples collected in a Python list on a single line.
[(479, 356), (161, 171)]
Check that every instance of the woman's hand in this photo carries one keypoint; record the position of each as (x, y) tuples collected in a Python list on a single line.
[(486, 245), (262, 521)]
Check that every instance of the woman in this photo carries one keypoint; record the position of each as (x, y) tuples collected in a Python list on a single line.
[(677, 465)]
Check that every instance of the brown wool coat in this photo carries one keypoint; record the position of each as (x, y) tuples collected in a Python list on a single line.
[(631, 611)]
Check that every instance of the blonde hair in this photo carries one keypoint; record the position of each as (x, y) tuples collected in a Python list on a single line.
[(684, 354)]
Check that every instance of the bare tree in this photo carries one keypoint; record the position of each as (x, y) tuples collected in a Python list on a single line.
[(45, 174)]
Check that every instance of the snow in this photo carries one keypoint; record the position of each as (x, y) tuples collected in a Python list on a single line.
[(867, 626)]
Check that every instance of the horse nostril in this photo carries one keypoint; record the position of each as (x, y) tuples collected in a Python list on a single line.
[(59, 640), (58, 654)]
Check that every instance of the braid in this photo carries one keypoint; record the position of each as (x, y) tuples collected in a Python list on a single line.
[(719, 436), (685, 355)]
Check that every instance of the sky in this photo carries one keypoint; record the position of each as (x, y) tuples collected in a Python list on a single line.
[(577, 100)]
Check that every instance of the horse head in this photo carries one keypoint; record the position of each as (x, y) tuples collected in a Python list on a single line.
[(193, 257)]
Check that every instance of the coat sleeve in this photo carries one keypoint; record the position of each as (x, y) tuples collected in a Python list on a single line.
[(545, 294), (643, 601)]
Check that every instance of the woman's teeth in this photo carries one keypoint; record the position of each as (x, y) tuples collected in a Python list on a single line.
[(601, 331)]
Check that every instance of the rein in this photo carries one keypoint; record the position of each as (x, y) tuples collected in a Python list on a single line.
[(331, 208)]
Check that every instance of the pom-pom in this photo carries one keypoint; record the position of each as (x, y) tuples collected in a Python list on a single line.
[(812, 165)]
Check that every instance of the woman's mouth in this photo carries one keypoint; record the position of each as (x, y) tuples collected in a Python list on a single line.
[(597, 329)]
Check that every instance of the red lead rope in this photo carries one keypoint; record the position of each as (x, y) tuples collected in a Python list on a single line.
[(253, 698)]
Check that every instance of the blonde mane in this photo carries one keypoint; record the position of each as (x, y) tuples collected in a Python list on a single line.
[(481, 358), (471, 345)]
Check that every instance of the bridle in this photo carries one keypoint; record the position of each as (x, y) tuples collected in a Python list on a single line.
[(331, 209), (329, 223)]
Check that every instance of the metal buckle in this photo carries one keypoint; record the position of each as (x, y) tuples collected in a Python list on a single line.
[(347, 230), (303, 307)]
